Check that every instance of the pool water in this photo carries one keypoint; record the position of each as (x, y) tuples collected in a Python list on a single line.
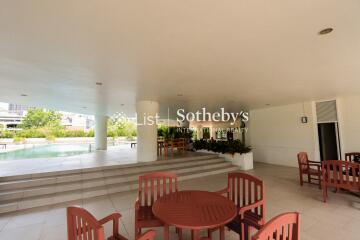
[(44, 151)]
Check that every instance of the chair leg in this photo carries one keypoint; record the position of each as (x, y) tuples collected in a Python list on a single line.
[(137, 232), (324, 193), (301, 179), (209, 234)]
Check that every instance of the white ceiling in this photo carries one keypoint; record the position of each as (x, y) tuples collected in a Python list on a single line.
[(239, 53)]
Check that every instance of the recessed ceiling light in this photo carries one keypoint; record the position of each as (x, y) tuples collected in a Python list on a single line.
[(84, 107), (24, 95), (179, 95), (268, 104), (326, 31), (122, 104), (99, 83)]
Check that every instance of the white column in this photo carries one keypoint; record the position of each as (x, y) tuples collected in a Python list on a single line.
[(101, 132), (147, 112)]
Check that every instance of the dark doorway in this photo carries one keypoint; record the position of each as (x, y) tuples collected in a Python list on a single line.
[(329, 141)]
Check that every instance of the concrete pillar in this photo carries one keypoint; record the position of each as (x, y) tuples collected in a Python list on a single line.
[(147, 115), (101, 132)]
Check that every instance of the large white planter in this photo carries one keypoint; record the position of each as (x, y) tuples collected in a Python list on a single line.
[(244, 161)]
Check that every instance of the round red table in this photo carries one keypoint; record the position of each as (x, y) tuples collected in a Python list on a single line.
[(194, 210)]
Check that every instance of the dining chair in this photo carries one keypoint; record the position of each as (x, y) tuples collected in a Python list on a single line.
[(352, 156), (286, 226), (247, 193), (311, 169), (151, 187), (83, 225)]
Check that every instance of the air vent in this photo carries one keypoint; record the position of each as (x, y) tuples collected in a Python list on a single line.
[(326, 111)]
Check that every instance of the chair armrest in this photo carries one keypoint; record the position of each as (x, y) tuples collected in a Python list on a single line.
[(223, 191), (315, 162), (114, 217), (256, 204), (315, 165)]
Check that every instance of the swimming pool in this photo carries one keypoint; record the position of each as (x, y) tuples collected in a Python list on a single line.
[(44, 151)]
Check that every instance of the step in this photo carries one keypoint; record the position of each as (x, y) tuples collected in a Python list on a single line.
[(72, 172), (88, 176), (60, 197), (103, 181)]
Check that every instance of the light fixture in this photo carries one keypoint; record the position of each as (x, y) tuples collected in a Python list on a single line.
[(122, 104), (84, 107), (267, 104), (179, 95), (326, 31), (99, 83), (24, 95)]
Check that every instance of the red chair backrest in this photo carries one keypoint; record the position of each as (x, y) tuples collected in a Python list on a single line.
[(351, 155), (245, 189), (283, 227), (82, 225), (303, 160), (339, 173), (154, 185)]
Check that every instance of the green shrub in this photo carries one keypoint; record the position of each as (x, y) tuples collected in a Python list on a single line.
[(232, 147), (19, 139), (7, 134), (50, 138)]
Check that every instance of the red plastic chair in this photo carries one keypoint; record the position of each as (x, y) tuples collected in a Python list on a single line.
[(83, 225), (310, 168), (283, 227), (247, 192), (151, 187)]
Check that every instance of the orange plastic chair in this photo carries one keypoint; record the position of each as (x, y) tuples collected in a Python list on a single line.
[(151, 187), (247, 192), (83, 225), (286, 226)]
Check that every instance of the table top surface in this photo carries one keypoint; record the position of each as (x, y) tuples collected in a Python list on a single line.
[(194, 209)]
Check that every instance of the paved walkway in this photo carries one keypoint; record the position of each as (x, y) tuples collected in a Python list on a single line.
[(115, 155)]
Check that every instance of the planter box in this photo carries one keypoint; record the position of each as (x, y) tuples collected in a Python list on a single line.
[(244, 161)]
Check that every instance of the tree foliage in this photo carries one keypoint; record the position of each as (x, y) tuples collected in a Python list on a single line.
[(39, 118)]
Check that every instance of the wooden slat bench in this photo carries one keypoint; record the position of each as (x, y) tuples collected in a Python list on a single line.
[(340, 175)]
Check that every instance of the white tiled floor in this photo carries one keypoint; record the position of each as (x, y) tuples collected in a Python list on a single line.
[(337, 219)]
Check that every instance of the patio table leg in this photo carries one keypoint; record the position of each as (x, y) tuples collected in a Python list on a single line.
[(194, 234), (166, 232), (222, 233)]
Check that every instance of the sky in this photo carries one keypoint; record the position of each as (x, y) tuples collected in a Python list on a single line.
[(4, 105)]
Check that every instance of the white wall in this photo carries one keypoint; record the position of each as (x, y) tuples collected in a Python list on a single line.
[(349, 121), (277, 134)]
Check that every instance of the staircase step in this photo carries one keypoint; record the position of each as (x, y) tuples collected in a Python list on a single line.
[(99, 182), (55, 198), (107, 173), (73, 172)]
